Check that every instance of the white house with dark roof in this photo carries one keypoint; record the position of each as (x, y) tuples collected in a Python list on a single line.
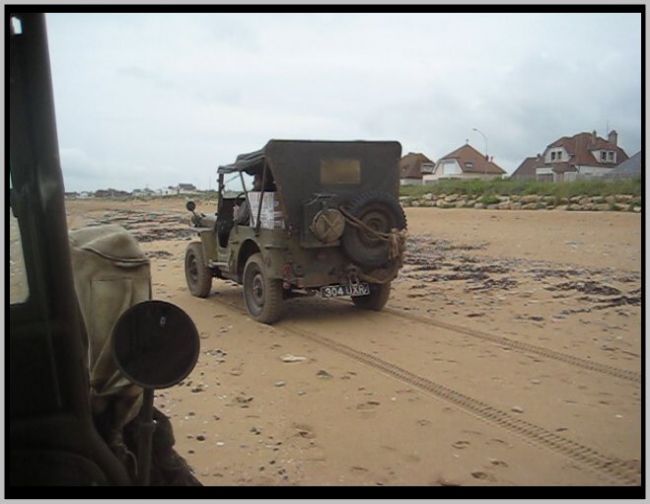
[(583, 155), (464, 163)]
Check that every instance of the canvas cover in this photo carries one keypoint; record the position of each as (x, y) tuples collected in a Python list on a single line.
[(300, 167), (111, 273)]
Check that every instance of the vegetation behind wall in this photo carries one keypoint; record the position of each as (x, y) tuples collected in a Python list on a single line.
[(507, 187)]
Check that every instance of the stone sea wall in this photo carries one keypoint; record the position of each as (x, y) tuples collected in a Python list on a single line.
[(615, 203)]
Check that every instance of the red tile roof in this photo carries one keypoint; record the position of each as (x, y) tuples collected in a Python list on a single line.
[(468, 154), (580, 149)]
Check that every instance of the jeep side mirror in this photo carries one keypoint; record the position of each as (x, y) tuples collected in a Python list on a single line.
[(190, 205), (155, 344)]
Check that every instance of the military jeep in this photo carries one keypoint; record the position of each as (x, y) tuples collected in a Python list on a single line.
[(324, 217)]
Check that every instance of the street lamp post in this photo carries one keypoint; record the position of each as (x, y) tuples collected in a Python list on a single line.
[(486, 146)]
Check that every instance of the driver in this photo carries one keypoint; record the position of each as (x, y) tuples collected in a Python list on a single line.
[(243, 214)]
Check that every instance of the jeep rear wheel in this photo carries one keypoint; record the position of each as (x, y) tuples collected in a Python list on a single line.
[(380, 212), (376, 300), (262, 295), (197, 274)]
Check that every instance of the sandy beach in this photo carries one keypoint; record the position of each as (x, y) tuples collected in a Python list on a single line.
[(509, 354)]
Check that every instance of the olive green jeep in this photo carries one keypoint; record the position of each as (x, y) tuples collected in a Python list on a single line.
[(322, 217)]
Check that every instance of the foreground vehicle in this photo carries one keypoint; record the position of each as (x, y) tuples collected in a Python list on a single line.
[(322, 217), (84, 361)]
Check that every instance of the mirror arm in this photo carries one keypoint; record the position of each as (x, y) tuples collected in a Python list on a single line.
[(146, 428)]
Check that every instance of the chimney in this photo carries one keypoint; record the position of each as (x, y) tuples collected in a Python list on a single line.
[(594, 136), (491, 158), (613, 137)]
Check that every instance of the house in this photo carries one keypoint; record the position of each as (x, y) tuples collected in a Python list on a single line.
[(186, 188), (110, 193), (143, 193), (412, 167), (584, 155), (464, 163), (179, 189), (630, 168), (526, 170)]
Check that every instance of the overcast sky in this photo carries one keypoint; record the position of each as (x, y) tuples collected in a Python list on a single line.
[(151, 100)]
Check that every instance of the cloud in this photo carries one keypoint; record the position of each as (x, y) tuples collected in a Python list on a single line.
[(156, 98)]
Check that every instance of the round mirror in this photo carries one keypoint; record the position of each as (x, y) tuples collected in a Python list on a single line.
[(190, 205), (155, 344)]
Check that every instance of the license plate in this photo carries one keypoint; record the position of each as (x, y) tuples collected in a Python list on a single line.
[(360, 289)]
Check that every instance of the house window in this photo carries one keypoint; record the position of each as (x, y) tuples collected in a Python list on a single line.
[(610, 156), (603, 156), (552, 156), (469, 165), (450, 168)]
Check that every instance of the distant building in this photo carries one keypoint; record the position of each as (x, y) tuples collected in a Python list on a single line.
[(526, 170), (143, 192), (583, 155), (464, 163), (179, 189), (412, 167), (110, 193), (630, 168), (186, 188)]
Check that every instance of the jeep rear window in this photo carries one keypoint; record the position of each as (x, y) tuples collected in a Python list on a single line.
[(340, 171)]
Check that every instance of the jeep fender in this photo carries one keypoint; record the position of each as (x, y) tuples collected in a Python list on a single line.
[(247, 249)]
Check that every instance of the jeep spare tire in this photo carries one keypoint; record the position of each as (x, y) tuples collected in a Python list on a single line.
[(380, 212)]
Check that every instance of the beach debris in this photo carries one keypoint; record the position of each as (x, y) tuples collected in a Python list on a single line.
[(292, 358)]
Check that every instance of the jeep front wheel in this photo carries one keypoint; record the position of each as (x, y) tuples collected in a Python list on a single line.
[(197, 274), (262, 295), (376, 300)]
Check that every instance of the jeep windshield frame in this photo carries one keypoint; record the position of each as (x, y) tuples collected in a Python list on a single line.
[(307, 169)]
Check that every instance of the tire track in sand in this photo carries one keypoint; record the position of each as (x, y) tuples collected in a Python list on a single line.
[(618, 470)]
